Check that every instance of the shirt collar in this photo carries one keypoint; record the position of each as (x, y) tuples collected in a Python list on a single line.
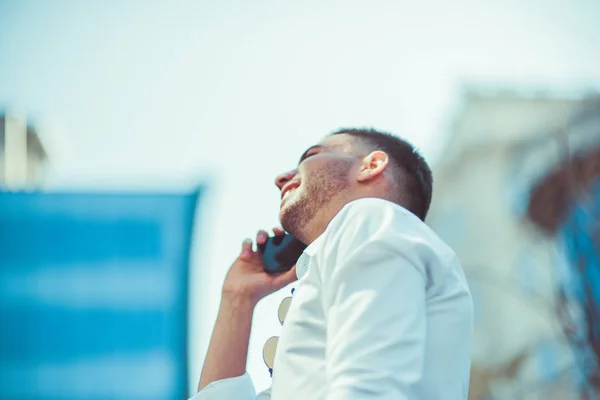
[(310, 251), (313, 248)]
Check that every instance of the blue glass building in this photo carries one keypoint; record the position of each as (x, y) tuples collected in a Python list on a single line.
[(93, 295)]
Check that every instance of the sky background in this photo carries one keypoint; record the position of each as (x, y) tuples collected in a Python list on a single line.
[(170, 95)]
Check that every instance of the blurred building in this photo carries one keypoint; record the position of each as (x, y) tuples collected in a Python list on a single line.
[(94, 294), (501, 162), (22, 156)]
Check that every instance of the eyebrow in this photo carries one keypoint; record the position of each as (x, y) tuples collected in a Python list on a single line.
[(305, 155)]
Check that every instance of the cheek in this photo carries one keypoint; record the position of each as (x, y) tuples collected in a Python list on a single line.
[(319, 170), (312, 168)]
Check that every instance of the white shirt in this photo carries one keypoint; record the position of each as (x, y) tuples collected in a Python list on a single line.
[(381, 311)]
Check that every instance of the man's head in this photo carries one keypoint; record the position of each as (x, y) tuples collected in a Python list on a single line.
[(347, 165)]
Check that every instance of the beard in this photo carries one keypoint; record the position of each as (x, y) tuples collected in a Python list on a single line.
[(323, 185)]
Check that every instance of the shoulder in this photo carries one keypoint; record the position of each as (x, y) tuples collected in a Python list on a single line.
[(378, 215), (387, 225), (374, 210)]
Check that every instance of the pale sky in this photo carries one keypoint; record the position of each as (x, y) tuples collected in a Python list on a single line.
[(167, 95)]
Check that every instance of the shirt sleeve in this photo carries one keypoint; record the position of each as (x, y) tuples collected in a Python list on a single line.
[(237, 388), (374, 285)]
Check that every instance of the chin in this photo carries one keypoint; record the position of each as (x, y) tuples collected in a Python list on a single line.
[(286, 204), (286, 219), (291, 213), (282, 212)]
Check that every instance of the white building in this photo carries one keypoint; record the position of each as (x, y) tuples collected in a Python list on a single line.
[(503, 144)]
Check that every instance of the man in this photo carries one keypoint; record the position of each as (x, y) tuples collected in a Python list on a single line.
[(381, 309)]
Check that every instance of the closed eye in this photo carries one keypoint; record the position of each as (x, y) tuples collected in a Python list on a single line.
[(310, 152)]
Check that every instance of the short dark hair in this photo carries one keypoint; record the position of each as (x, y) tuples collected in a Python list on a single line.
[(414, 182)]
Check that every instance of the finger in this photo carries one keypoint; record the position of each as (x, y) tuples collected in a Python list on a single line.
[(278, 231), (285, 278), (261, 237), (246, 249)]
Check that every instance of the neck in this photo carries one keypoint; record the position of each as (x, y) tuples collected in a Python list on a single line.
[(323, 217), (318, 224)]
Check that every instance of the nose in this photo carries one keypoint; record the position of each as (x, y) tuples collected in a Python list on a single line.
[(284, 178)]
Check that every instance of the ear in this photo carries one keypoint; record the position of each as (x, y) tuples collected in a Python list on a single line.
[(372, 166)]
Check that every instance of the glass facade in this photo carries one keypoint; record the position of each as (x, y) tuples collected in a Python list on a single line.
[(93, 295)]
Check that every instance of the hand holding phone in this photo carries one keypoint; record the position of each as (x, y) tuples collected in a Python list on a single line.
[(280, 252), (246, 277)]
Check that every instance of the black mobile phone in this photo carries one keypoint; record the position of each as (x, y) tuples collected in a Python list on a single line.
[(280, 253)]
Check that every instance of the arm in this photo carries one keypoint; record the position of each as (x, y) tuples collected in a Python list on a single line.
[(228, 349), (374, 302), (223, 373)]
